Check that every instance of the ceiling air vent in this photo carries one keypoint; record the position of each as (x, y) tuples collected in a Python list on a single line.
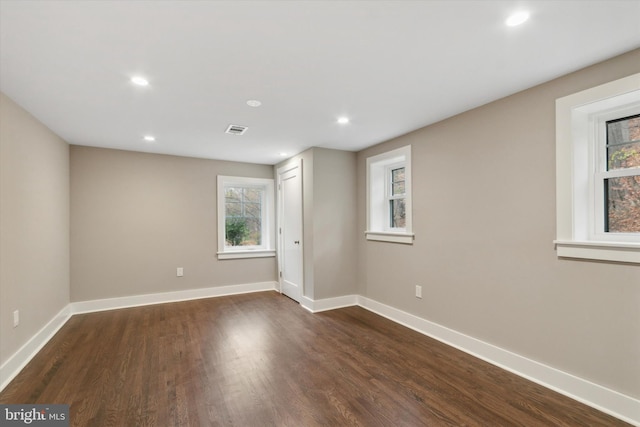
[(236, 129)]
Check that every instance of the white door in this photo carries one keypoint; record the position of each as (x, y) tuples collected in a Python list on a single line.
[(290, 229)]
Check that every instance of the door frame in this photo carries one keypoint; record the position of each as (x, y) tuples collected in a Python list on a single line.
[(296, 163)]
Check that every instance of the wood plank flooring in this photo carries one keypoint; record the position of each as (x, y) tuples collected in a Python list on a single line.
[(261, 360)]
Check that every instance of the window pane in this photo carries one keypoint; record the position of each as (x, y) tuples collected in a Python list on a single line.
[(624, 156), (397, 181), (398, 188), (233, 209), (252, 210), (623, 143), (233, 194), (253, 195), (236, 231), (397, 174), (254, 236), (243, 216), (397, 213), (623, 204)]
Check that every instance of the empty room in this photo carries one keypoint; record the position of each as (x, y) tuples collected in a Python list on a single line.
[(320, 213)]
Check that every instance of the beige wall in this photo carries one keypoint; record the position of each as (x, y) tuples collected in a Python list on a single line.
[(329, 223), (484, 219), (334, 224), (136, 217), (34, 225)]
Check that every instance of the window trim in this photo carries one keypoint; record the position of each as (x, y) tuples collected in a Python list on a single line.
[(576, 154), (267, 249), (378, 213)]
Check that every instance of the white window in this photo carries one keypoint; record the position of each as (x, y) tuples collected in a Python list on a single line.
[(245, 217), (598, 172), (389, 196), (396, 196), (617, 177)]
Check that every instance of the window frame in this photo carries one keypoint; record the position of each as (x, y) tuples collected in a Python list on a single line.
[(379, 169), (580, 147), (389, 196), (601, 174), (267, 248)]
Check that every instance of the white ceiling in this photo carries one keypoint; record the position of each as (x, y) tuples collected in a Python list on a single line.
[(390, 66)]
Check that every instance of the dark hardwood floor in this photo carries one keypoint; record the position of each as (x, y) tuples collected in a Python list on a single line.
[(261, 360)]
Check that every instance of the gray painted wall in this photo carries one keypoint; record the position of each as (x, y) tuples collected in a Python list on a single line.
[(329, 222), (484, 218), (34, 225), (136, 217), (334, 225)]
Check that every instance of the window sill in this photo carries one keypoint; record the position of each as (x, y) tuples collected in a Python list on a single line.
[(380, 236), (261, 253), (604, 251)]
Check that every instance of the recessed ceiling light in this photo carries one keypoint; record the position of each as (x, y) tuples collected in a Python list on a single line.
[(517, 18), (283, 154), (254, 103), (149, 138), (140, 81), (343, 120)]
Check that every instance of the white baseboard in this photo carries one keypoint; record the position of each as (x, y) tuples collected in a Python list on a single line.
[(20, 358), (316, 306), (306, 303), (608, 401), (165, 297)]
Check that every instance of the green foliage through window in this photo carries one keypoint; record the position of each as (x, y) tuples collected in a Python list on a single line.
[(236, 230), (243, 216)]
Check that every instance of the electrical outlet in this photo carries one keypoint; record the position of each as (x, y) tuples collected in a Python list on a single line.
[(418, 291), (16, 318), (180, 272)]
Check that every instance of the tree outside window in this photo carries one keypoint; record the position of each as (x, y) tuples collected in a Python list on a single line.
[(622, 194), (397, 198), (243, 216)]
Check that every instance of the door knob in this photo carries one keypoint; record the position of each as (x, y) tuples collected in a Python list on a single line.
[(297, 242)]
